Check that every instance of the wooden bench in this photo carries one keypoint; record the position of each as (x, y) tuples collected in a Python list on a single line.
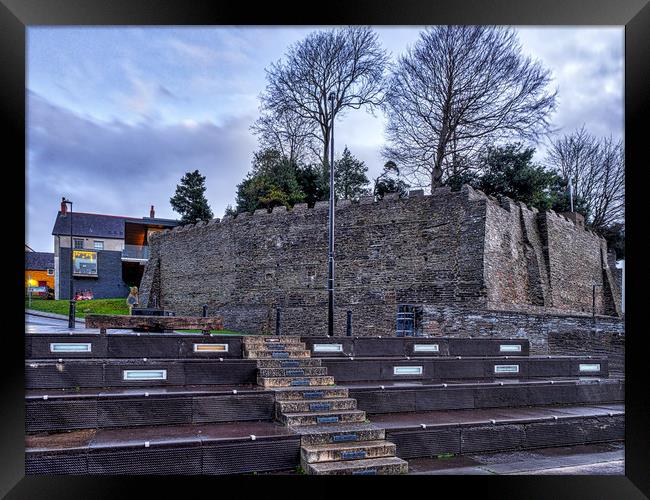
[(153, 323)]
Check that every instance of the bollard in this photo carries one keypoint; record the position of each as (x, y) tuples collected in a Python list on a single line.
[(71, 314), (349, 324), (278, 320), (204, 314)]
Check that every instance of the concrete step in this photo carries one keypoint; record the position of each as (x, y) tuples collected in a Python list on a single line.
[(344, 433), (393, 369), (293, 372), (276, 347), (294, 381), (305, 406), (264, 354), (310, 454), (370, 466), (323, 417), (311, 394), (261, 340), (393, 398), (288, 363)]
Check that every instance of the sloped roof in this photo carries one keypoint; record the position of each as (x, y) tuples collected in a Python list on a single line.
[(90, 225), (37, 261), (153, 222)]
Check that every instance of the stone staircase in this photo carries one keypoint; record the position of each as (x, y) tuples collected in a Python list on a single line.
[(336, 437)]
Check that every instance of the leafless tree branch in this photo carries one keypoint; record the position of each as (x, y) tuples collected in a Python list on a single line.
[(457, 89), (596, 169), (348, 62)]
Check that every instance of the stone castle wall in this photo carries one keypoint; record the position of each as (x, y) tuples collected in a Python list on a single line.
[(557, 334), (545, 262), (460, 250)]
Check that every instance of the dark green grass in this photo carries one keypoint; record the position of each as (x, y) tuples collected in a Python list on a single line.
[(98, 306)]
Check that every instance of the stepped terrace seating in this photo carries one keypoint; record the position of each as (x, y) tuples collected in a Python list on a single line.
[(124, 402)]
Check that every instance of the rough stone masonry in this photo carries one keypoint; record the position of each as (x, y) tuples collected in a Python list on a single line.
[(468, 264)]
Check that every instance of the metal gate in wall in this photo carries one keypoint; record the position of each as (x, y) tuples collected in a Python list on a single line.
[(405, 320)]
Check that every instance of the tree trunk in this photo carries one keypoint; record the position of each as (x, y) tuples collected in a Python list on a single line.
[(436, 177), (326, 144), (436, 173)]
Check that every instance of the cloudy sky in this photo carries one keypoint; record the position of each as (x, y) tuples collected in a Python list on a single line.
[(116, 116)]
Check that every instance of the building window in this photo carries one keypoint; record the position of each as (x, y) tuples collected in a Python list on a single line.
[(50, 272), (85, 263), (77, 243), (409, 319), (99, 245)]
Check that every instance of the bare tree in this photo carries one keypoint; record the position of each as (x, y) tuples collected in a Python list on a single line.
[(457, 89), (348, 62), (595, 167), (296, 138)]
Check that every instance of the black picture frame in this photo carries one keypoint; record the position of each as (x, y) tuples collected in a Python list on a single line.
[(18, 15)]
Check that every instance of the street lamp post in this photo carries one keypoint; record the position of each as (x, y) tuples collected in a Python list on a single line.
[(330, 259), (71, 311)]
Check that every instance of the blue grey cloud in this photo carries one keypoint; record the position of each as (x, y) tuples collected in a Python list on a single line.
[(121, 169), (117, 115)]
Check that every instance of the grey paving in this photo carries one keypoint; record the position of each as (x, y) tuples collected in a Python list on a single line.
[(607, 458), (616, 467), (465, 471)]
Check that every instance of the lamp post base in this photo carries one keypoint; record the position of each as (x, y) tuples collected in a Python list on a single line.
[(71, 314)]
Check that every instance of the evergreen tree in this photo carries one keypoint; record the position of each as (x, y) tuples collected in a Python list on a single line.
[(509, 171), (272, 182), (389, 182), (350, 180), (314, 183), (189, 199), (230, 211)]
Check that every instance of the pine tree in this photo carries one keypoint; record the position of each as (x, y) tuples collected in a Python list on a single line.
[(350, 180), (272, 182), (313, 180), (189, 199)]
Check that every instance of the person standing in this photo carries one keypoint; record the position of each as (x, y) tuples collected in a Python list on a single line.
[(132, 300)]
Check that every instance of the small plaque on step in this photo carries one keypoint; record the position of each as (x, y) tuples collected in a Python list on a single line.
[(320, 406), (289, 364), (351, 455), (312, 395), (366, 472), (340, 438), (295, 373), (280, 354), (327, 420), (302, 381)]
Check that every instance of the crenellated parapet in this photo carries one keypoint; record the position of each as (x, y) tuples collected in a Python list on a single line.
[(462, 248)]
